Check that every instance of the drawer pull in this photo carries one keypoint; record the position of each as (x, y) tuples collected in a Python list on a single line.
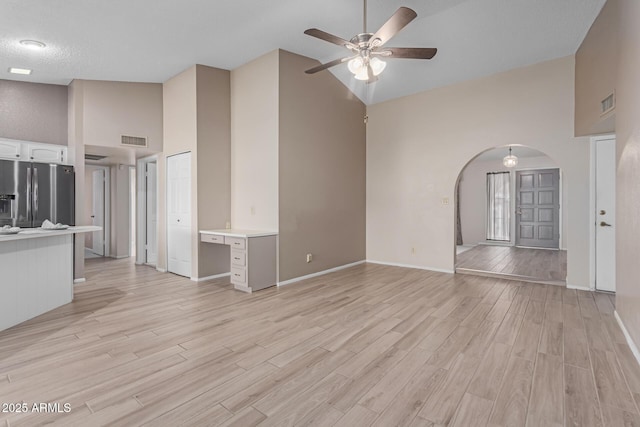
[(236, 258), (237, 275), (236, 243)]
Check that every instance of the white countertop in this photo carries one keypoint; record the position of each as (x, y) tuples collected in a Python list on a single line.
[(36, 233), (234, 232)]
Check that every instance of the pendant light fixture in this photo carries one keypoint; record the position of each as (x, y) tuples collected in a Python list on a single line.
[(510, 161)]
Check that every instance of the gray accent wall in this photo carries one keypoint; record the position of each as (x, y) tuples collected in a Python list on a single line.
[(33, 112), (322, 170)]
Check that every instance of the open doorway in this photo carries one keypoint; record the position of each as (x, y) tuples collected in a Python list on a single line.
[(132, 211), (147, 212), (98, 210), (510, 220)]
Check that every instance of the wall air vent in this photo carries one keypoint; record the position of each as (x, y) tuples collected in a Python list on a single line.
[(607, 104), (94, 157), (133, 141)]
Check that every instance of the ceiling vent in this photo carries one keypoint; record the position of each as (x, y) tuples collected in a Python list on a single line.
[(133, 141), (94, 157)]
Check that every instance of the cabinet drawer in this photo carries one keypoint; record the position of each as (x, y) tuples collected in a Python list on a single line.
[(236, 243), (238, 257), (212, 238), (238, 275)]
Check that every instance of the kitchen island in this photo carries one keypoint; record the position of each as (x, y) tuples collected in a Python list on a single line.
[(36, 267)]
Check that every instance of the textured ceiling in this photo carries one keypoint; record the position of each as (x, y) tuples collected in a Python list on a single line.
[(152, 40)]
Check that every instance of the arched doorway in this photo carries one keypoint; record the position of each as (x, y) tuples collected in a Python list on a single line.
[(510, 221)]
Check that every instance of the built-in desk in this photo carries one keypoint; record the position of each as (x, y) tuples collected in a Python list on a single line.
[(253, 256)]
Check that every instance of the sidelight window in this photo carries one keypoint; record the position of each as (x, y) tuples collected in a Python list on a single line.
[(498, 206)]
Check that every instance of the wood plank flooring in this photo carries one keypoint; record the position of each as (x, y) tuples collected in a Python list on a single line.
[(369, 345), (508, 262)]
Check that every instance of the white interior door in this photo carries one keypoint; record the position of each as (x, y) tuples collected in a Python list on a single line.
[(98, 211), (179, 214), (151, 191), (605, 215)]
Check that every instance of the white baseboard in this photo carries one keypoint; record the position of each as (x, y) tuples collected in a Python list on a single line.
[(161, 270), (119, 257), (80, 280), (419, 267), (632, 344), (579, 288), (215, 276), (320, 273)]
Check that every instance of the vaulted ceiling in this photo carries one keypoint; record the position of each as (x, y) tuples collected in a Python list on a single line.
[(152, 40)]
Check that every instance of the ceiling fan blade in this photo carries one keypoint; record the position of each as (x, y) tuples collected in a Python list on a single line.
[(397, 22), (409, 52), (322, 35), (327, 65)]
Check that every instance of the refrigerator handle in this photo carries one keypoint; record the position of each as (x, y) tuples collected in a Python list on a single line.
[(29, 194), (35, 193)]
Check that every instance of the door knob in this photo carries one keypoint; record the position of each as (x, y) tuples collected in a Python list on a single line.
[(604, 224)]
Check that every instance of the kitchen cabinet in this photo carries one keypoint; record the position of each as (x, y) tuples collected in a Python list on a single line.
[(253, 256), (46, 153), (33, 151), (10, 149)]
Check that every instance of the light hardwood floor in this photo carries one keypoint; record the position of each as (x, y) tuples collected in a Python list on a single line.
[(370, 345), (532, 265)]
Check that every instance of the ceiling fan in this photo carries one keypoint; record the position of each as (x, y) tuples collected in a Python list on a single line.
[(367, 48)]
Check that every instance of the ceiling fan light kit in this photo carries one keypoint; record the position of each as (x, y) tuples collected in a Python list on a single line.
[(366, 48)]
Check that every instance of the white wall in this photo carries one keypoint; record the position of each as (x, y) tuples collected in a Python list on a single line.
[(417, 146), (254, 144), (473, 195)]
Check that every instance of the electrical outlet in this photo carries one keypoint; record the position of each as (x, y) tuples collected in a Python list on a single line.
[(413, 251), (445, 200), (228, 225), (253, 210), (309, 257)]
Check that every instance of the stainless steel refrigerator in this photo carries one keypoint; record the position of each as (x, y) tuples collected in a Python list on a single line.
[(32, 192)]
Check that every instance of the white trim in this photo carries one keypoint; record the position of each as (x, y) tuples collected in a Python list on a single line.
[(80, 280), (119, 257), (161, 270), (632, 344), (419, 267), (215, 276), (579, 288), (320, 273)]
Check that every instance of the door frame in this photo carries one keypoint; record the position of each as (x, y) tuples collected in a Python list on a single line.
[(107, 206), (592, 206), (141, 254)]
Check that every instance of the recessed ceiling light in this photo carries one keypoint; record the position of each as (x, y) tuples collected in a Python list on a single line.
[(19, 71), (33, 44)]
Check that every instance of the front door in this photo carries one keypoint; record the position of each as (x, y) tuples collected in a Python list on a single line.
[(179, 214), (538, 208), (605, 215)]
